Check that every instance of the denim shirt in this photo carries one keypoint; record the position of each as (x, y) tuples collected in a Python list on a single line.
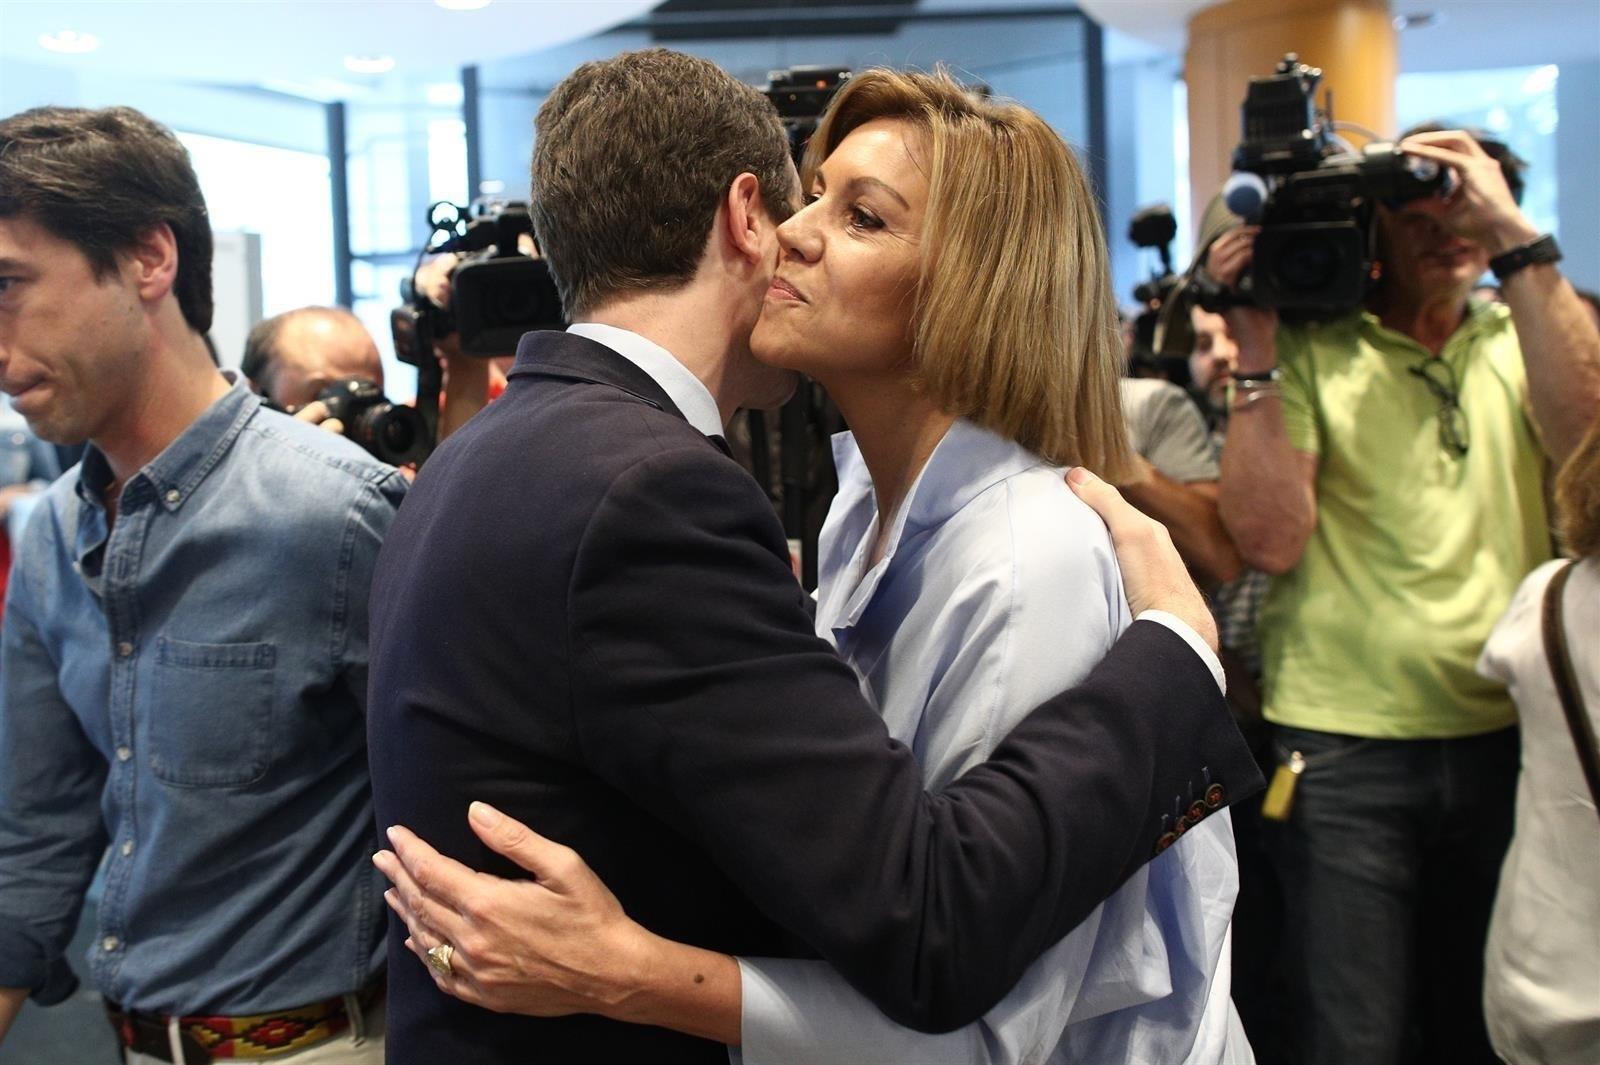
[(188, 687)]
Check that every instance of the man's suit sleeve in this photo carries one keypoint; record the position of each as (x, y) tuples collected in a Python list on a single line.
[(701, 692)]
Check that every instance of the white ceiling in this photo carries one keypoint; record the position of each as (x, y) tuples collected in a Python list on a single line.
[(299, 47), (295, 46), (1468, 35)]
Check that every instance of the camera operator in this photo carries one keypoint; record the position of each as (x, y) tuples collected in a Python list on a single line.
[(470, 384), (1388, 467)]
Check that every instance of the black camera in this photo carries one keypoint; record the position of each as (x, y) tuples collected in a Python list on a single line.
[(498, 292), (1155, 228), (1313, 197), (392, 433), (800, 95)]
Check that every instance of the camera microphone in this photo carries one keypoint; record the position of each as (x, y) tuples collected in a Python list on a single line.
[(1246, 195)]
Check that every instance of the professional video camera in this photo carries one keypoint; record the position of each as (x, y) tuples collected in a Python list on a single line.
[(1154, 227), (801, 94), (1312, 196), (498, 292), (390, 432)]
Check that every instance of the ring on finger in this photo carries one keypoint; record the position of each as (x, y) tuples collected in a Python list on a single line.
[(439, 959)]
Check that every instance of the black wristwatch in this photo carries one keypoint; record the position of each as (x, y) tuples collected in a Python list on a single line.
[(1539, 250)]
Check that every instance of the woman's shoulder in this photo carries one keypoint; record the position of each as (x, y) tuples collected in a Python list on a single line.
[(1517, 640), (1034, 535)]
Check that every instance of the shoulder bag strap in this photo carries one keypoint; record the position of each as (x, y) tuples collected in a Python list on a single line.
[(1555, 649)]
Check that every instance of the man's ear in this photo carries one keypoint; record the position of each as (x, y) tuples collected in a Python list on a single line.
[(746, 218), (152, 262)]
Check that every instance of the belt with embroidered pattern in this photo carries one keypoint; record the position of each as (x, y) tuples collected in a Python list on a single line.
[(205, 1038)]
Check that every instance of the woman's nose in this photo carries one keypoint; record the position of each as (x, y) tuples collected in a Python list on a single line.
[(798, 236)]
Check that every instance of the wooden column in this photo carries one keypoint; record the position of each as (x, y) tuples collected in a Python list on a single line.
[(1353, 41)]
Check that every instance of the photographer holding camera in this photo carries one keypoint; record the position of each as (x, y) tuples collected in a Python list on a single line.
[(322, 366), (1388, 466)]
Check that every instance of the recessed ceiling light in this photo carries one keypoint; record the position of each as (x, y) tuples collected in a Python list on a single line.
[(462, 5), (1418, 21), (70, 42), (369, 64)]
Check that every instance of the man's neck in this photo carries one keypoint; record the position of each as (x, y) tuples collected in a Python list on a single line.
[(1429, 320), (180, 384), (696, 328)]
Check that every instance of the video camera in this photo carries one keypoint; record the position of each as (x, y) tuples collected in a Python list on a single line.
[(1155, 227), (1313, 197), (498, 292), (800, 95)]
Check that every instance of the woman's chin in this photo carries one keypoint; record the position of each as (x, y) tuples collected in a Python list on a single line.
[(776, 351)]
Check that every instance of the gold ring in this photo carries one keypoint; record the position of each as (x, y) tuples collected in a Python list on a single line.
[(439, 959)]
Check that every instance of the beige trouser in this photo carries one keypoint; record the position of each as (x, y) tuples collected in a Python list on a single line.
[(358, 1045)]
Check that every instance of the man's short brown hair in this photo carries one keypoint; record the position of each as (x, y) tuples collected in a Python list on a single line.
[(632, 156), (100, 180)]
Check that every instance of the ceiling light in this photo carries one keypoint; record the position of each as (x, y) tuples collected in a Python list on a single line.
[(369, 64), (462, 5), (1418, 21), (70, 42)]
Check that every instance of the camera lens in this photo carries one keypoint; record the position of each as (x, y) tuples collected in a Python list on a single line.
[(1308, 264), (396, 434), (389, 433)]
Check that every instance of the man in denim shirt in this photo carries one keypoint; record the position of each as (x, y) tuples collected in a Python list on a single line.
[(184, 656)]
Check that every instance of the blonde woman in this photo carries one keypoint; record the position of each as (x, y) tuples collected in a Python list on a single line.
[(946, 281)]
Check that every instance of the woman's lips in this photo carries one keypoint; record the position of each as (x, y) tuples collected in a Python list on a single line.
[(783, 290)]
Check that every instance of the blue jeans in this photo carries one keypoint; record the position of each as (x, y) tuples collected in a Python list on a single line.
[(1389, 862)]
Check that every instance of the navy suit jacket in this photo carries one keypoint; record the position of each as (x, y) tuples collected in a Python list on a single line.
[(584, 615)]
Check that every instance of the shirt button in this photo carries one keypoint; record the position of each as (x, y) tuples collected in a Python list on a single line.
[(124, 649), (173, 495), (124, 753), (127, 847), (109, 944)]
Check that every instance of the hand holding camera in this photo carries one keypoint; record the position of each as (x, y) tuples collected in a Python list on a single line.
[(1482, 206), (1253, 328)]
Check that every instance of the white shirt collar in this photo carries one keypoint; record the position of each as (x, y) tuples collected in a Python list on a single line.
[(686, 390)]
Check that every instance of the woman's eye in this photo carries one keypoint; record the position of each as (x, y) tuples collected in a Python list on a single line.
[(860, 218), (810, 198)]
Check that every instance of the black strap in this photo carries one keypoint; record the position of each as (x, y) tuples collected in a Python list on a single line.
[(1555, 649)]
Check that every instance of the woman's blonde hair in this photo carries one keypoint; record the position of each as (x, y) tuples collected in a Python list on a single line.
[(1578, 496), (1015, 326)]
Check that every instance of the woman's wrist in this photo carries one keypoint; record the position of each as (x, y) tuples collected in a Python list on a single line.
[(673, 985)]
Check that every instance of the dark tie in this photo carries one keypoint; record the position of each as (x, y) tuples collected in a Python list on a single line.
[(722, 444)]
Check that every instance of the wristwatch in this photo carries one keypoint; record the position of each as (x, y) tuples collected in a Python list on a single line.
[(1539, 250), (1264, 379)]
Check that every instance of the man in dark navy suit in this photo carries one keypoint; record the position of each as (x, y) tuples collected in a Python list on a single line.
[(584, 616)]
